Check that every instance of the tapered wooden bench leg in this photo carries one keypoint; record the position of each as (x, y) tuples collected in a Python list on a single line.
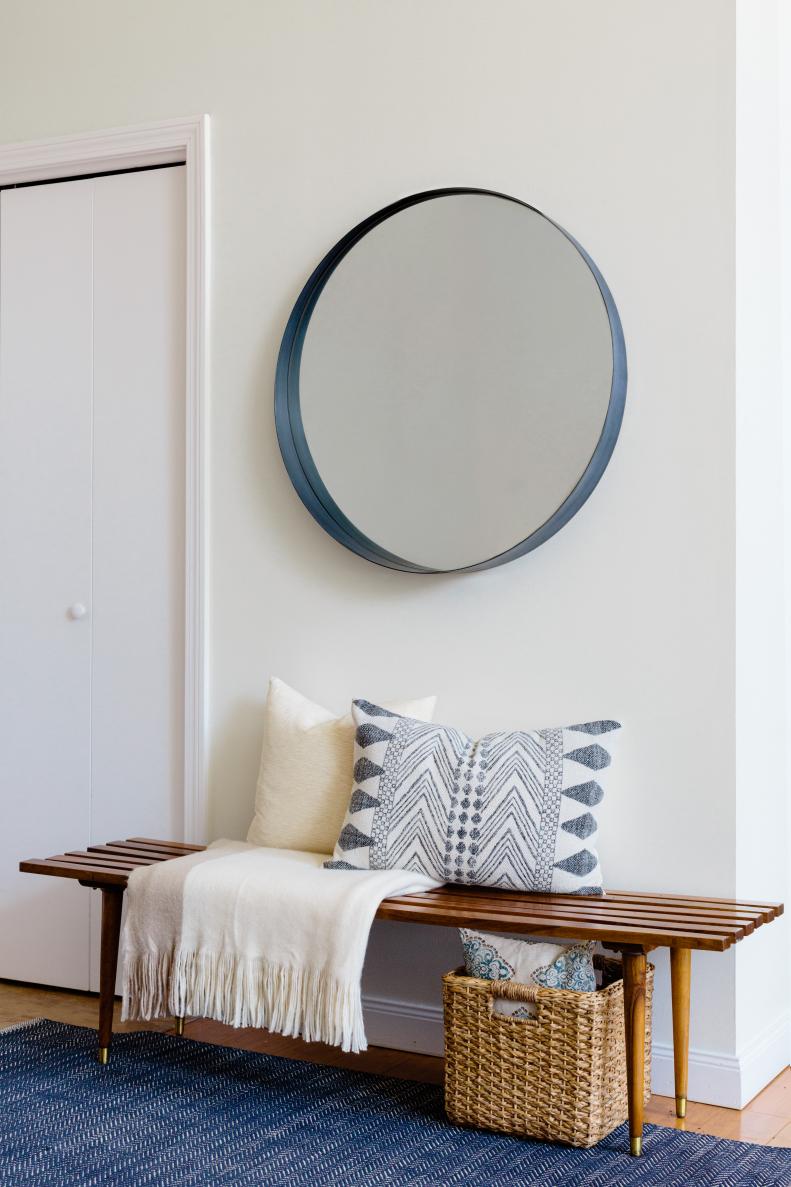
[(179, 1021), (680, 965), (634, 969), (112, 902)]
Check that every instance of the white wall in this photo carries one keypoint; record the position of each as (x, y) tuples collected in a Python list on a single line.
[(618, 119), (783, 57), (762, 853)]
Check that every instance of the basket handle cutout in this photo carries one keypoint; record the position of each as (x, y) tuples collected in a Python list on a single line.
[(514, 992)]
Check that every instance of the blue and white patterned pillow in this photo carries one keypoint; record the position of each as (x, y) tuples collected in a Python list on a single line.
[(514, 810), (528, 962)]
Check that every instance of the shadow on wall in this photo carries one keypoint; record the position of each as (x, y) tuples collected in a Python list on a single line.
[(402, 996), (235, 755)]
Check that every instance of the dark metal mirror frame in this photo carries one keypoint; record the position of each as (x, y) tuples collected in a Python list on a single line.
[(291, 434)]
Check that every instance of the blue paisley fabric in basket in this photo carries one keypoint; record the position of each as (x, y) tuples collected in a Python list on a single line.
[(528, 962)]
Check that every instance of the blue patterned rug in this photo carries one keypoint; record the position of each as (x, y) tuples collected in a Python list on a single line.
[(169, 1112)]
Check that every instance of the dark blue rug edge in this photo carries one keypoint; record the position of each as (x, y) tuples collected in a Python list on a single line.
[(230, 1057)]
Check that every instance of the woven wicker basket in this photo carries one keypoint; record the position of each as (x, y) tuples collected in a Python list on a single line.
[(560, 1076)]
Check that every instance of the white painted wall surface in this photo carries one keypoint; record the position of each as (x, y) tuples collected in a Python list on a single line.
[(618, 120), (763, 1019), (783, 57)]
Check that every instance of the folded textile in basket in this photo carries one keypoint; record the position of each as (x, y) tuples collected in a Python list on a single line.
[(552, 965), (254, 937)]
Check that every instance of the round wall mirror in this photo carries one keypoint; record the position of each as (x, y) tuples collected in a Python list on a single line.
[(451, 383)]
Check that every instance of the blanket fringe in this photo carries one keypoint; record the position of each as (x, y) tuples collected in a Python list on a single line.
[(244, 991)]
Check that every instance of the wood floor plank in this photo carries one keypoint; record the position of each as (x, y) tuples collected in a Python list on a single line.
[(20, 1002), (782, 1137), (759, 1128), (776, 1097)]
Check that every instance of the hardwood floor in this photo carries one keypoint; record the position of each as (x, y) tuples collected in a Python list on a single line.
[(20, 1003), (766, 1120)]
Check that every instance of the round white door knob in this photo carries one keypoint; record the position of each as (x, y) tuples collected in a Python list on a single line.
[(77, 610)]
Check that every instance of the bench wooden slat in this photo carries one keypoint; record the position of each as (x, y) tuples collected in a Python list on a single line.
[(106, 875), (133, 851), (133, 859), (603, 905), (179, 845), (101, 859), (593, 906), (737, 910), (133, 854), (726, 906), (162, 851), (405, 911), (618, 917), (703, 911), (99, 854), (88, 860), (603, 919), (776, 908)]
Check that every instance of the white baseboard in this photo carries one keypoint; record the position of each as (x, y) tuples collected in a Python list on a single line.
[(714, 1078), (405, 1026), (728, 1080)]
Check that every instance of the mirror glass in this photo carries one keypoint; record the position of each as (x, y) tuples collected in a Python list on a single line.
[(451, 379)]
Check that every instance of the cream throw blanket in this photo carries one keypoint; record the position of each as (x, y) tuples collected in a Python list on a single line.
[(254, 937)]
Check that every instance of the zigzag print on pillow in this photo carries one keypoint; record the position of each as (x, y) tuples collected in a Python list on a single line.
[(512, 810)]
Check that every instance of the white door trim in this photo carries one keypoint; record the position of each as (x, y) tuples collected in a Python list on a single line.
[(164, 142)]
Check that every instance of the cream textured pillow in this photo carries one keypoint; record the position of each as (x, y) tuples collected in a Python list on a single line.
[(306, 770)]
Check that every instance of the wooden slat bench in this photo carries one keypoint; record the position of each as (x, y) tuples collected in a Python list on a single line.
[(632, 923)]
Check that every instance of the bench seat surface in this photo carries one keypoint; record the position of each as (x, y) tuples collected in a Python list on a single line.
[(621, 917)]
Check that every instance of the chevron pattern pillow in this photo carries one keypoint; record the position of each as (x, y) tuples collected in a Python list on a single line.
[(513, 810)]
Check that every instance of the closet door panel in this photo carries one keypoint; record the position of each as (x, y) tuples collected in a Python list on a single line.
[(45, 546), (139, 479)]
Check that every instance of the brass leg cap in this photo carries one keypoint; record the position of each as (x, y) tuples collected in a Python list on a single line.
[(104, 1055), (636, 1147), (179, 1025), (681, 1106)]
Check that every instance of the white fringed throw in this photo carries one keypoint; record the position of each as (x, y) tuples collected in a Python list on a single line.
[(254, 937)]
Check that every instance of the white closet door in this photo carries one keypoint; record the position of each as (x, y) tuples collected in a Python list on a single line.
[(138, 505), (45, 568), (137, 751), (92, 422)]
